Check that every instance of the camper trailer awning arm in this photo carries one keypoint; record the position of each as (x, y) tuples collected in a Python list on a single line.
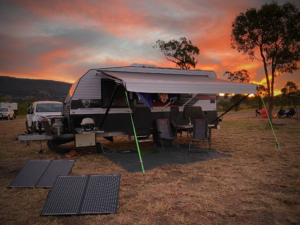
[(230, 109)]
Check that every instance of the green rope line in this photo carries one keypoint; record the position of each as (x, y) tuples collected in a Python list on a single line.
[(277, 144), (137, 143)]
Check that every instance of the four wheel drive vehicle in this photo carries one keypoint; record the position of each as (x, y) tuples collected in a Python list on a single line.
[(7, 113), (40, 110)]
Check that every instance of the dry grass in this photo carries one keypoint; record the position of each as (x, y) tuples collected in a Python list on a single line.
[(257, 185)]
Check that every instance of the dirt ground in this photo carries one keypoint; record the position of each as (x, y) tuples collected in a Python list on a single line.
[(257, 185)]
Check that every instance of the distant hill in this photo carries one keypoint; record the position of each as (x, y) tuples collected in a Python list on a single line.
[(20, 90)]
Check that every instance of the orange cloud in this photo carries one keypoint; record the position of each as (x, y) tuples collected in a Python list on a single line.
[(39, 43)]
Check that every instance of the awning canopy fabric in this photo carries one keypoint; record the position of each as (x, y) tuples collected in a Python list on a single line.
[(171, 83)]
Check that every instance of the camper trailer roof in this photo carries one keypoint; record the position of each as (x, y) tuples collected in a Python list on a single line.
[(152, 69)]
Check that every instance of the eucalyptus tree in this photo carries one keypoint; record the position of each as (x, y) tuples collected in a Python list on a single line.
[(271, 35), (181, 52)]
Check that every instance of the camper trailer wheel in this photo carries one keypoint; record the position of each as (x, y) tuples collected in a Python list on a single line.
[(54, 145), (99, 148)]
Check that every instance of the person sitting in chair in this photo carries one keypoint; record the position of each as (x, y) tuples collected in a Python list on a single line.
[(281, 112), (257, 112), (290, 113)]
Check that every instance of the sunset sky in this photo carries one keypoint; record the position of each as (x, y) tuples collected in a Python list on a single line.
[(61, 40)]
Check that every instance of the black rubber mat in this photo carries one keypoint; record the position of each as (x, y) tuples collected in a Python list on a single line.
[(81, 195), (170, 156), (41, 173)]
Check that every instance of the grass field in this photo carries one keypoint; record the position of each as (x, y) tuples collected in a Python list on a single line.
[(257, 185)]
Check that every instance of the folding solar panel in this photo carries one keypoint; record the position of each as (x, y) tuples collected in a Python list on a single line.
[(81, 195), (56, 168), (41, 173)]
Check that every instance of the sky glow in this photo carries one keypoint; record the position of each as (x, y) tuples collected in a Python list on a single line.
[(61, 40)]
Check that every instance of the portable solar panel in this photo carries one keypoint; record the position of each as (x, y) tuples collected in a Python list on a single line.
[(56, 168), (30, 174), (81, 195), (41, 173)]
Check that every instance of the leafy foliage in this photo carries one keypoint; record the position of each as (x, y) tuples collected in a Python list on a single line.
[(234, 99), (224, 104), (180, 52), (288, 90), (241, 76), (274, 32), (22, 108), (262, 90)]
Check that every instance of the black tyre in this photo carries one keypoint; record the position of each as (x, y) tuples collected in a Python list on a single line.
[(54, 145), (27, 129), (33, 128), (6, 118)]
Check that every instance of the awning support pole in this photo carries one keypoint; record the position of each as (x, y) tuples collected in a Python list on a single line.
[(276, 144), (230, 109), (109, 105), (136, 140)]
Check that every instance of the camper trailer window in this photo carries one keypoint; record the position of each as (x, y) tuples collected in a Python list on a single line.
[(108, 87), (49, 107), (163, 99)]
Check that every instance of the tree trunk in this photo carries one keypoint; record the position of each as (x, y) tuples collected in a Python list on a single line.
[(271, 105)]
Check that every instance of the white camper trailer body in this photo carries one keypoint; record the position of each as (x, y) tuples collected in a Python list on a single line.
[(90, 95)]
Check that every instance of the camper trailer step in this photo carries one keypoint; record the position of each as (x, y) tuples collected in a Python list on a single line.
[(145, 140)]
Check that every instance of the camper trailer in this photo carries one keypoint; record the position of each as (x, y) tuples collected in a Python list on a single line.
[(101, 102), (153, 93)]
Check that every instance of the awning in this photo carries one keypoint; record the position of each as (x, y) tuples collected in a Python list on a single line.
[(175, 83)]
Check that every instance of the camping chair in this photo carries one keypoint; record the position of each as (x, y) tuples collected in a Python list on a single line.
[(200, 130), (165, 132), (281, 113)]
